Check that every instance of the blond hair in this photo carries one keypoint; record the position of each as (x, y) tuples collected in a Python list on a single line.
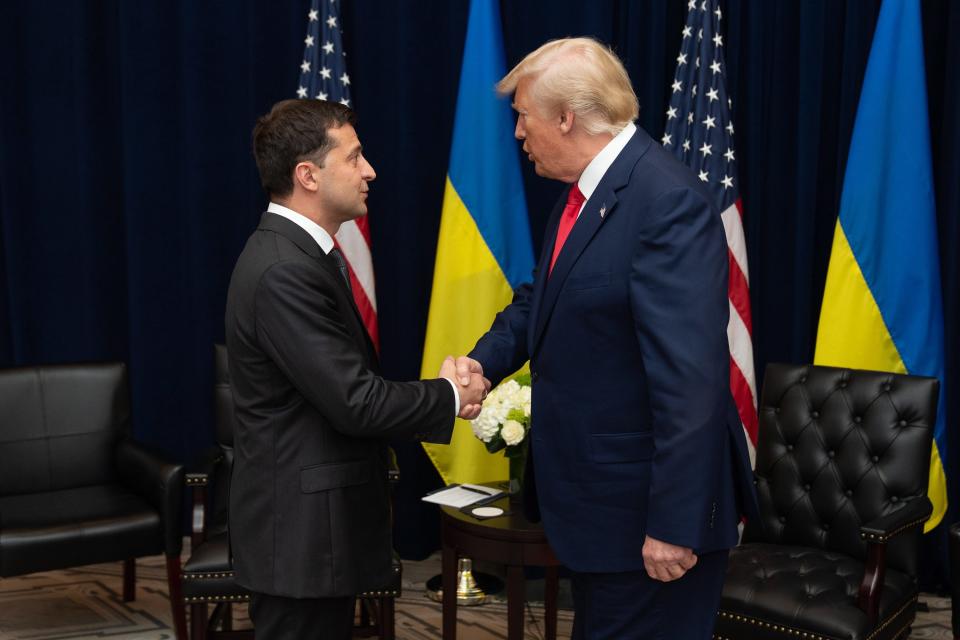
[(580, 75)]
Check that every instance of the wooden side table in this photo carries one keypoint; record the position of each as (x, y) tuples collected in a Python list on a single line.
[(509, 539)]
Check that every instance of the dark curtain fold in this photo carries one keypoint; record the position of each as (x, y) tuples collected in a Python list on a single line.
[(127, 187)]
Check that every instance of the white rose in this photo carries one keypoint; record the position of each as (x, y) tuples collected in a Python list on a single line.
[(525, 397), (512, 432), (485, 425), (509, 390)]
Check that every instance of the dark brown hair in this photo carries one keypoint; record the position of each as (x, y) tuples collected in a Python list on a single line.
[(295, 131)]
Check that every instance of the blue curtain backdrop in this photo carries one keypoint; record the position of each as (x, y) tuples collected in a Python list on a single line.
[(127, 187)]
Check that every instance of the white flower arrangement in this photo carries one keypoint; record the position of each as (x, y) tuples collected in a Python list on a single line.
[(504, 419)]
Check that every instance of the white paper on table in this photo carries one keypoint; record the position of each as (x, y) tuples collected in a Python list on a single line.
[(462, 495)]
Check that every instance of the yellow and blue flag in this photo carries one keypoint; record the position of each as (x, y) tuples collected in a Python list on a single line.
[(882, 306), (484, 249)]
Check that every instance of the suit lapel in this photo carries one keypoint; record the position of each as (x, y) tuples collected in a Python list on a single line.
[(306, 243), (597, 210), (543, 266)]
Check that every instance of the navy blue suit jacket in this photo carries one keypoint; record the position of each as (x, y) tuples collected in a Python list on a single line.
[(634, 429)]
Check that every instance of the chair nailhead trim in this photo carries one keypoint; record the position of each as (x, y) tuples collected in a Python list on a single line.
[(873, 537), (799, 633), (768, 625), (217, 575), (198, 599), (912, 601), (196, 482), (379, 594)]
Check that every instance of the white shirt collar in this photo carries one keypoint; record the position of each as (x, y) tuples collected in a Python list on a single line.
[(316, 232), (595, 171)]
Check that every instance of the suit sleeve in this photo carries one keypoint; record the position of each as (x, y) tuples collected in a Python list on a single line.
[(503, 349), (300, 327), (678, 285)]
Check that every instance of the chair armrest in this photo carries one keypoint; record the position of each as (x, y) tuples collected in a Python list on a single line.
[(197, 479), (160, 483), (877, 533), (203, 466), (882, 529), (393, 467)]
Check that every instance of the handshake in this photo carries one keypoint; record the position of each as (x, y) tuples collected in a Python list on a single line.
[(467, 374)]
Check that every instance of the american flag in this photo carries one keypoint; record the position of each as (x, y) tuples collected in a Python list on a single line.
[(699, 132), (323, 76)]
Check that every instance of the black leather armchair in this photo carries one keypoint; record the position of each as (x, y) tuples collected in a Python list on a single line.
[(841, 473), (74, 488), (208, 576)]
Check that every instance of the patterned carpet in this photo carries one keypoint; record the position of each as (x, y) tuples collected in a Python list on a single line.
[(86, 603)]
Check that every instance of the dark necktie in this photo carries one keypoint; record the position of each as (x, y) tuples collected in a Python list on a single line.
[(574, 202), (342, 266)]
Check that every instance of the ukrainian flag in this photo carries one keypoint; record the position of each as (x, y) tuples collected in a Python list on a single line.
[(882, 306), (484, 250)]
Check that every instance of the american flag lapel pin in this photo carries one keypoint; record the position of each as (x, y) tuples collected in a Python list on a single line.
[(603, 211)]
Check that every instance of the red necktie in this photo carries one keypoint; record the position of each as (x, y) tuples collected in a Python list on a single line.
[(574, 202)]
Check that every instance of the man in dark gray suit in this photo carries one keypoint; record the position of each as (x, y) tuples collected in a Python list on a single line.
[(309, 509)]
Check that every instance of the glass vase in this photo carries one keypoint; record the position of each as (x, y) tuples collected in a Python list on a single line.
[(517, 461)]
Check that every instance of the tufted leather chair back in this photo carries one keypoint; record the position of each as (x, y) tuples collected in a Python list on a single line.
[(838, 448), (59, 426)]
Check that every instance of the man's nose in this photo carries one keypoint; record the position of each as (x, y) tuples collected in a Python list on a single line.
[(368, 172), (518, 131)]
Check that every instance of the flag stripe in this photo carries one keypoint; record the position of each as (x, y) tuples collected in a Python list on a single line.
[(744, 398), (739, 292), (356, 250), (741, 351), (736, 241)]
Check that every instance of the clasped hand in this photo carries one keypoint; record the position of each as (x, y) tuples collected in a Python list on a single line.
[(467, 374), (664, 561)]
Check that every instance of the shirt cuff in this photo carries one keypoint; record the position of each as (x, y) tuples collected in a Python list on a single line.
[(456, 397)]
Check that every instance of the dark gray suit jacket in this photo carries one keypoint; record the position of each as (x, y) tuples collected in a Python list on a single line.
[(309, 508)]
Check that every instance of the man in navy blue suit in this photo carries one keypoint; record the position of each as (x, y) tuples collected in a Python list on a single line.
[(640, 461)]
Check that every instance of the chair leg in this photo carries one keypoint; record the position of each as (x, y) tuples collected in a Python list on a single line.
[(198, 621), (364, 607), (129, 579), (227, 617), (177, 608), (386, 619)]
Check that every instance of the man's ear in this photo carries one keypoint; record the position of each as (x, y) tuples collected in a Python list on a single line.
[(566, 121), (304, 175)]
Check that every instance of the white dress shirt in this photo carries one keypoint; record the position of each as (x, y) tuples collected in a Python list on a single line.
[(316, 232), (601, 162), (323, 239)]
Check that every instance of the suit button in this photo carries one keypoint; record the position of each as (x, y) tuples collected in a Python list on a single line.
[(815, 414), (894, 499), (849, 493), (875, 458), (831, 454), (806, 487), (783, 519), (533, 376)]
